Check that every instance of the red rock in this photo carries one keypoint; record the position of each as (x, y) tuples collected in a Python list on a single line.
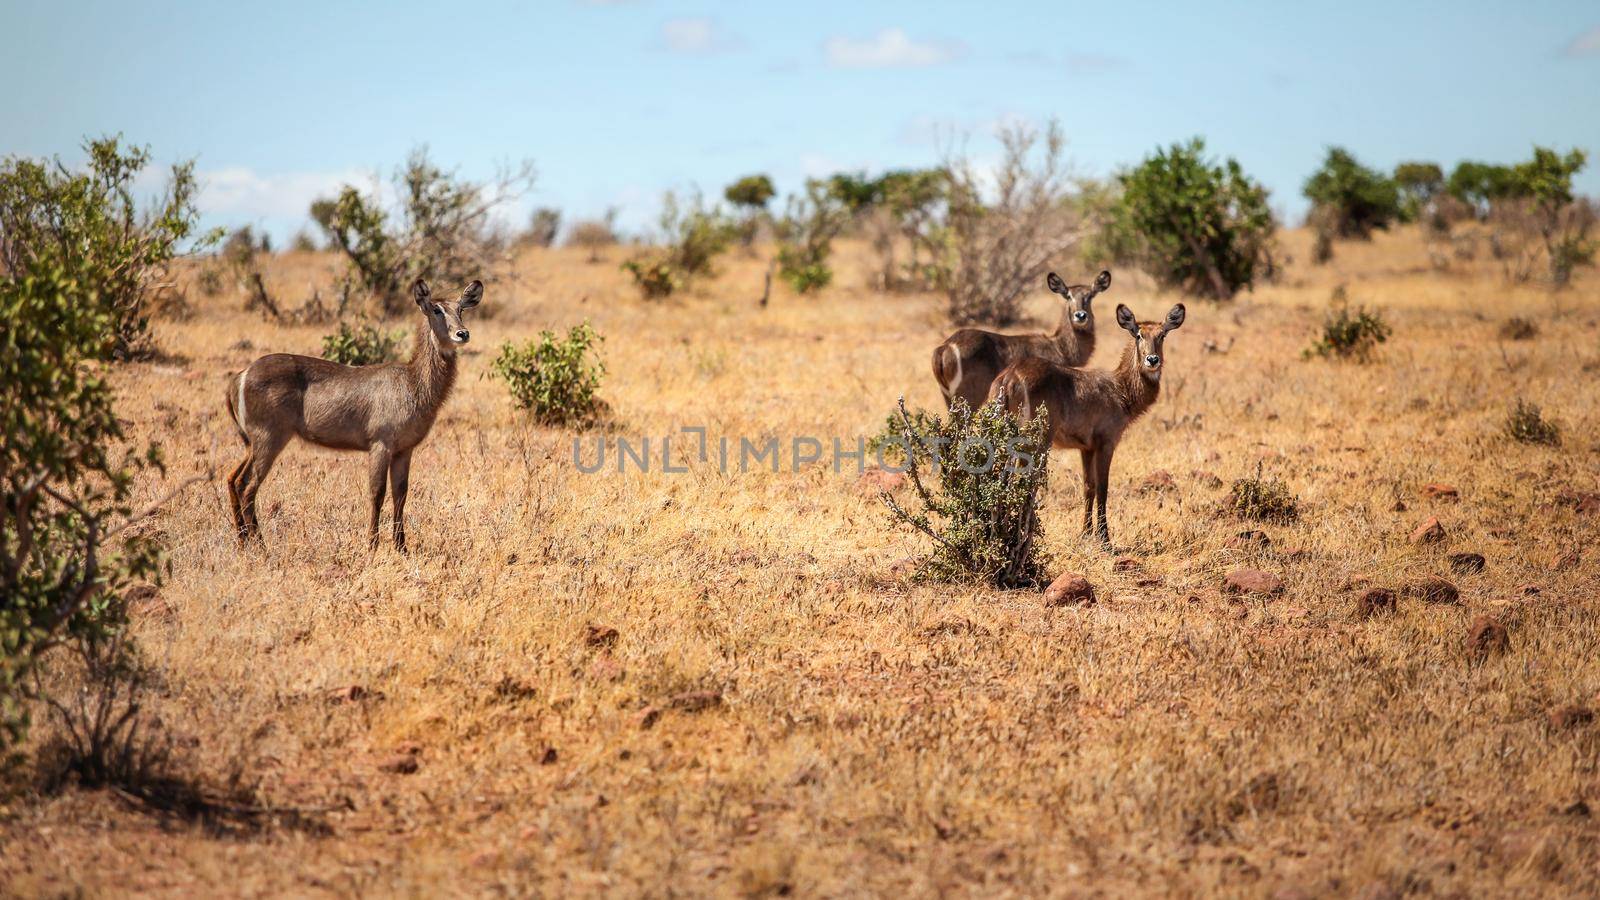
[(1069, 589), (1374, 602), (1466, 563), (1444, 492), (600, 636), (1252, 581), (1433, 590), (1159, 480), (400, 764), (695, 701), (875, 481), (1486, 638), (1126, 564), (1429, 532), (648, 717), (1571, 716), (1584, 503), (1207, 478)]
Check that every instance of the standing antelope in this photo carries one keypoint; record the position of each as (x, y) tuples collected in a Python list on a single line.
[(384, 409), (1089, 409), (968, 361)]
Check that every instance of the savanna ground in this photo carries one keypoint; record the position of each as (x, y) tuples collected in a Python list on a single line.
[(876, 735)]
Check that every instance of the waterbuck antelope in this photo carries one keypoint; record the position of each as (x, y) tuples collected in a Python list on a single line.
[(384, 409), (968, 361), (1089, 409)]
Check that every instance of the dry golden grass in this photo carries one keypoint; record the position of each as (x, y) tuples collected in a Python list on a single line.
[(877, 736)]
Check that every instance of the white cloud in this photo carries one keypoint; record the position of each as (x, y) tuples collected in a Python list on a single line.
[(243, 194), (1586, 44), (695, 36), (889, 48)]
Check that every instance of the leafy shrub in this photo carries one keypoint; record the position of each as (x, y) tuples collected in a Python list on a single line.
[(1262, 499), (543, 226), (1420, 184), (1480, 185), (64, 565), (364, 345), (1526, 424), (303, 242), (1193, 224), (805, 238), (552, 377), (1350, 335), (1353, 200), (694, 236), (750, 195), (1517, 328), (85, 223), (984, 516), (997, 250), (442, 228), (889, 443)]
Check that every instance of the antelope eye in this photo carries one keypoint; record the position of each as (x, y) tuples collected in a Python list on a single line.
[(438, 310)]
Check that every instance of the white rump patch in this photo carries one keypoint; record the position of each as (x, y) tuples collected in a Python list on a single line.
[(239, 410)]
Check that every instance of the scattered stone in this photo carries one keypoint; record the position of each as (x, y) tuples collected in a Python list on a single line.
[(1208, 478), (1584, 503), (1466, 563), (1375, 602), (350, 693), (1443, 492), (600, 636), (1566, 561), (549, 756), (1429, 532), (1127, 564), (695, 701), (1570, 716), (648, 717), (1486, 638), (877, 480), (1252, 581), (400, 764), (1069, 589), (1157, 481), (1433, 590), (1249, 540)]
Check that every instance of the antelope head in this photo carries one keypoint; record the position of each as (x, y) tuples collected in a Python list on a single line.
[(1078, 296), (1148, 338), (444, 316)]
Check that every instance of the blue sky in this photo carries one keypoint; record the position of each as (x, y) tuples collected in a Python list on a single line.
[(618, 101)]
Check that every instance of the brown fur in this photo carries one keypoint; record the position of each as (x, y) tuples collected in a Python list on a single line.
[(1090, 409), (385, 409), (968, 361)]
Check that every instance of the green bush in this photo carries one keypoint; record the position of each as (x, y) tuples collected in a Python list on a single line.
[(85, 222), (1419, 183), (364, 345), (889, 443), (983, 515), (1481, 185), (1263, 499), (554, 378), (694, 236), (1351, 200), (63, 564), (1194, 224), (442, 229), (750, 195), (1526, 424), (805, 237), (1348, 335)]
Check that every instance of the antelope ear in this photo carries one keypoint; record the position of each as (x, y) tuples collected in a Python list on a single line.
[(471, 296), (1103, 281), (421, 292), (1054, 283), (1126, 320), (1174, 318)]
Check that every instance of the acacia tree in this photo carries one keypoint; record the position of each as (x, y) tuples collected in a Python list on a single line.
[(1350, 200), (1192, 223), (749, 196)]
